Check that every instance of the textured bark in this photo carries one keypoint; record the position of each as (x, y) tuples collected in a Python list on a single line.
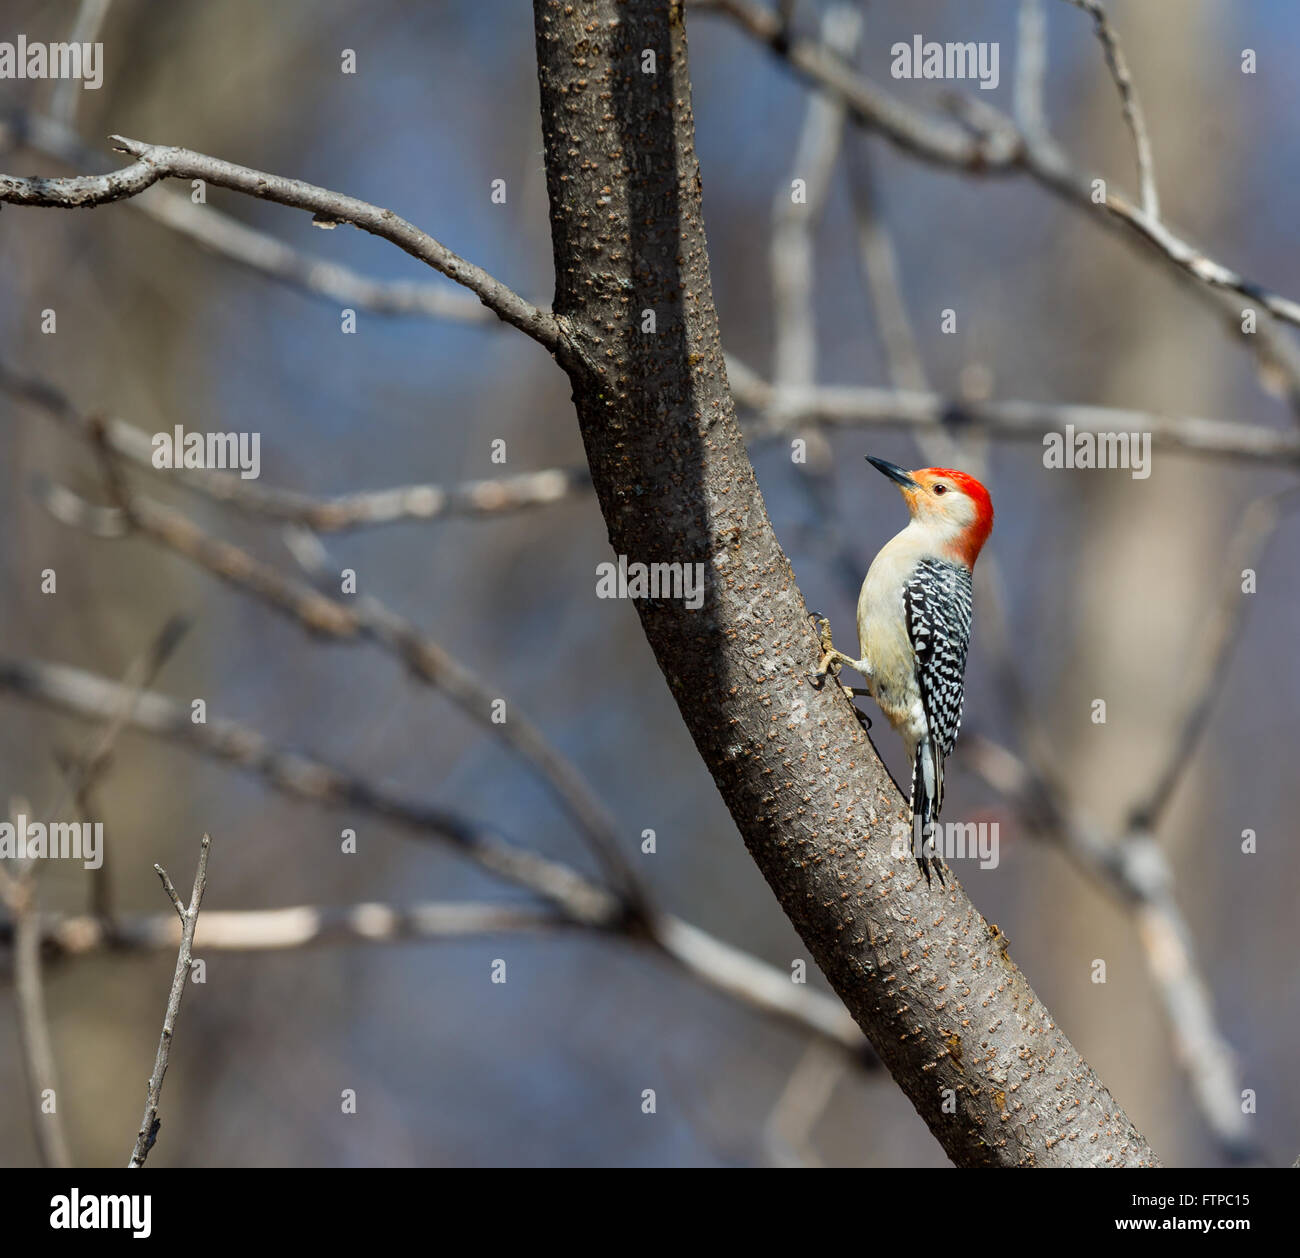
[(927, 979)]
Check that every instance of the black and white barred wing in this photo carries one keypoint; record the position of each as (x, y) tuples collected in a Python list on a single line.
[(937, 602)]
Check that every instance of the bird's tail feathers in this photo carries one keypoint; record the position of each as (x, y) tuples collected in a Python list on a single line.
[(927, 795)]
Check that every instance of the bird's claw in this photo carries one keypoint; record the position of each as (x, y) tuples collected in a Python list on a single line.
[(823, 627), (826, 666)]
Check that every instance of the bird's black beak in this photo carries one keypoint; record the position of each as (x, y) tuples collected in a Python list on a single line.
[(894, 472)]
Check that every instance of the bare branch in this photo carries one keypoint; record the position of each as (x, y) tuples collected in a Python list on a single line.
[(719, 965), (1031, 73), (580, 900), (85, 30), (1136, 869), (155, 162), (1128, 96), (294, 927), (879, 264), (472, 499), (369, 619), (90, 696), (475, 499), (425, 660), (1201, 1050), (189, 915), (19, 893), (794, 221), (171, 891), (996, 147), (781, 414), (33, 1024), (139, 676), (931, 138), (260, 252), (792, 260), (807, 1094)]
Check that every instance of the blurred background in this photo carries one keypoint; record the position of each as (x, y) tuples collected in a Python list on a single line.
[(1110, 584)]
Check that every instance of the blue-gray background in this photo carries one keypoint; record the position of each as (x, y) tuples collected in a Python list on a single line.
[(1110, 581)]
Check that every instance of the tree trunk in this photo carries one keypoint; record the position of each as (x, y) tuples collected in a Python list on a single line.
[(923, 974)]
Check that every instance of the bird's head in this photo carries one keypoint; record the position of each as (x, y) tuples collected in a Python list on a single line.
[(950, 505)]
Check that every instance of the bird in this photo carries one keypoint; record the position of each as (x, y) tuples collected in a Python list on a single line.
[(914, 626)]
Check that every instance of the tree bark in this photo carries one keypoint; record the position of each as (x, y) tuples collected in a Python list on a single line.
[(924, 976)]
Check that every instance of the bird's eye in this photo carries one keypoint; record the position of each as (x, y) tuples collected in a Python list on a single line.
[(941, 489)]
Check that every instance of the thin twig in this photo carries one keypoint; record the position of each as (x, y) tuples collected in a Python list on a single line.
[(140, 674), (19, 894), (1133, 116), (878, 262), (33, 1023), (189, 915)]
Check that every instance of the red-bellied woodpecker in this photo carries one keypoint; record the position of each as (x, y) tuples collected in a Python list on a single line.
[(914, 616)]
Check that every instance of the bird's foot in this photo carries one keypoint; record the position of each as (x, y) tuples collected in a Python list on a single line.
[(831, 660)]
